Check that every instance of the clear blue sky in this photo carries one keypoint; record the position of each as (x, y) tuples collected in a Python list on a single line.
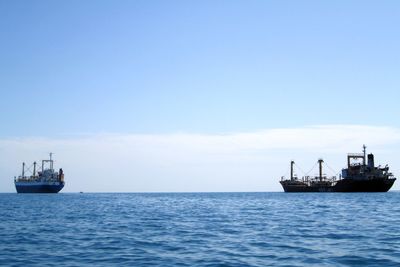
[(70, 67), (156, 95)]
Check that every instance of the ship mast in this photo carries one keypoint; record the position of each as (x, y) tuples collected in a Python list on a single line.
[(291, 170), (23, 169), (34, 169), (364, 151), (320, 161), (51, 161)]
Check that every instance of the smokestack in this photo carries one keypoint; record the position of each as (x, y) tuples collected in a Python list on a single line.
[(371, 162)]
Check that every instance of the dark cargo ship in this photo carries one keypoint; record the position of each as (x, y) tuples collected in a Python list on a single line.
[(357, 177), (45, 181)]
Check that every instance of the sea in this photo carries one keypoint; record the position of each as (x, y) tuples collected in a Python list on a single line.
[(200, 229)]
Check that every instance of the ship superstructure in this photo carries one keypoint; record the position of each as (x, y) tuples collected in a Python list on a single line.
[(46, 180), (357, 177)]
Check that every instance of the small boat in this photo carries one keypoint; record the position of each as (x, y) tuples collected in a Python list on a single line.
[(46, 180)]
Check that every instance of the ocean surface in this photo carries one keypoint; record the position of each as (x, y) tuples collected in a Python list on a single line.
[(200, 229)]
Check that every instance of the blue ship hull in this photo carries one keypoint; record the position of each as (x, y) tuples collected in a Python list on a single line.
[(38, 188)]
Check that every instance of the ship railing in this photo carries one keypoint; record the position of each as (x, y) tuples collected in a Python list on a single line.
[(390, 175), (283, 178), (355, 155), (317, 178), (25, 179)]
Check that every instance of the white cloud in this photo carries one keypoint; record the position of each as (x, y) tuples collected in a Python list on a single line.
[(251, 161)]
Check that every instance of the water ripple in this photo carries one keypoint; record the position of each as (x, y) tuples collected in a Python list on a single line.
[(214, 229)]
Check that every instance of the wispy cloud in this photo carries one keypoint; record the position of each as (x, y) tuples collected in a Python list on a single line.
[(189, 162)]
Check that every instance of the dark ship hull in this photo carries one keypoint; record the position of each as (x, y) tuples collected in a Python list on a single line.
[(373, 185), (38, 188), (344, 185)]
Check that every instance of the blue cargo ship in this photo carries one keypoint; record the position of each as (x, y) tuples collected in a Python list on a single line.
[(46, 180)]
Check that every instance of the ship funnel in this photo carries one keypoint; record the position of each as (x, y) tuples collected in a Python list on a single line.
[(371, 162)]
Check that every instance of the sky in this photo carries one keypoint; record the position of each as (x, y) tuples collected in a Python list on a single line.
[(188, 96)]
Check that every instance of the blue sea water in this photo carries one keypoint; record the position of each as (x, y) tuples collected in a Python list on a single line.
[(200, 229)]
